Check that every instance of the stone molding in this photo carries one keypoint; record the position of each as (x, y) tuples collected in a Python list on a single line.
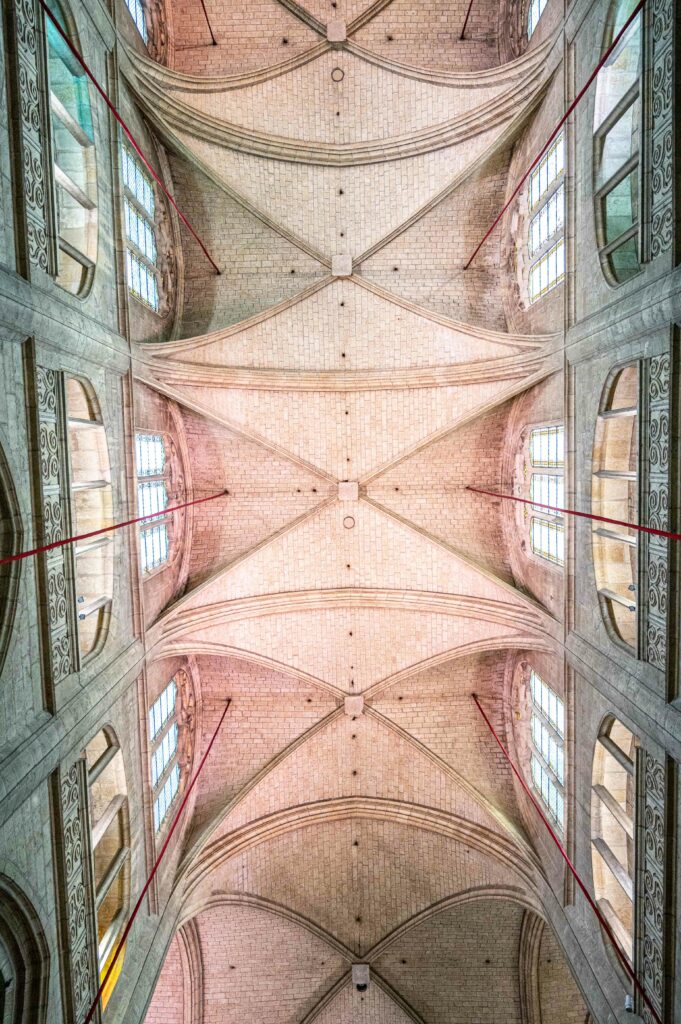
[(531, 934), (653, 588), (171, 79), (251, 901), (178, 624), (651, 884), (301, 12), (661, 139), (493, 844), (75, 891), (173, 348), (480, 371), (487, 892), (30, 137), (52, 517), (506, 112)]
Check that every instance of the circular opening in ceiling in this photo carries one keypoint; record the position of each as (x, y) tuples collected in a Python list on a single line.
[(348, 522), (338, 74)]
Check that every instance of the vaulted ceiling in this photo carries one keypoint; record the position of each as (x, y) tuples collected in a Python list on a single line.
[(349, 594)]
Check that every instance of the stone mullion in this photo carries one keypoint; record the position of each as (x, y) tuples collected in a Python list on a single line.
[(653, 586), (75, 887), (32, 150)]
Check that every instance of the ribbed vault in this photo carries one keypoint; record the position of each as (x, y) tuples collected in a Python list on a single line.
[(350, 595)]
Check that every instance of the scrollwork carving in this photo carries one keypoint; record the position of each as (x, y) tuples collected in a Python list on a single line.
[(659, 377), (651, 940), (75, 888), (49, 454), (655, 509), (56, 594), (662, 134), (30, 132), (657, 586), (55, 604)]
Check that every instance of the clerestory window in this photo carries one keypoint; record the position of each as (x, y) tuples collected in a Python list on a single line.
[(547, 759), (546, 201), (547, 454), (163, 740), (152, 497), (139, 209), (534, 13), (138, 15)]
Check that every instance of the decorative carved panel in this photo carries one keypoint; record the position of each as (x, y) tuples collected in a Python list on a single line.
[(654, 509), (75, 891), (31, 148), (186, 718), (651, 880), (52, 521), (662, 136)]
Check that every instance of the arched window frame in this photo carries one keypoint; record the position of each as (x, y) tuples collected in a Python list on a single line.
[(11, 536), (116, 812), (617, 604), (535, 10), (610, 180), (604, 801), (24, 959), (72, 135), (546, 458), (98, 603), (140, 213), (153, 477), (546, 205)]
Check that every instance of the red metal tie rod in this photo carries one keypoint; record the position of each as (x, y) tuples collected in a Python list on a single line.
[(205, 14), (126, 930), (560, 124), (127, 131), (465, 21), (107, 529), (583, 515), (589, 898)]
